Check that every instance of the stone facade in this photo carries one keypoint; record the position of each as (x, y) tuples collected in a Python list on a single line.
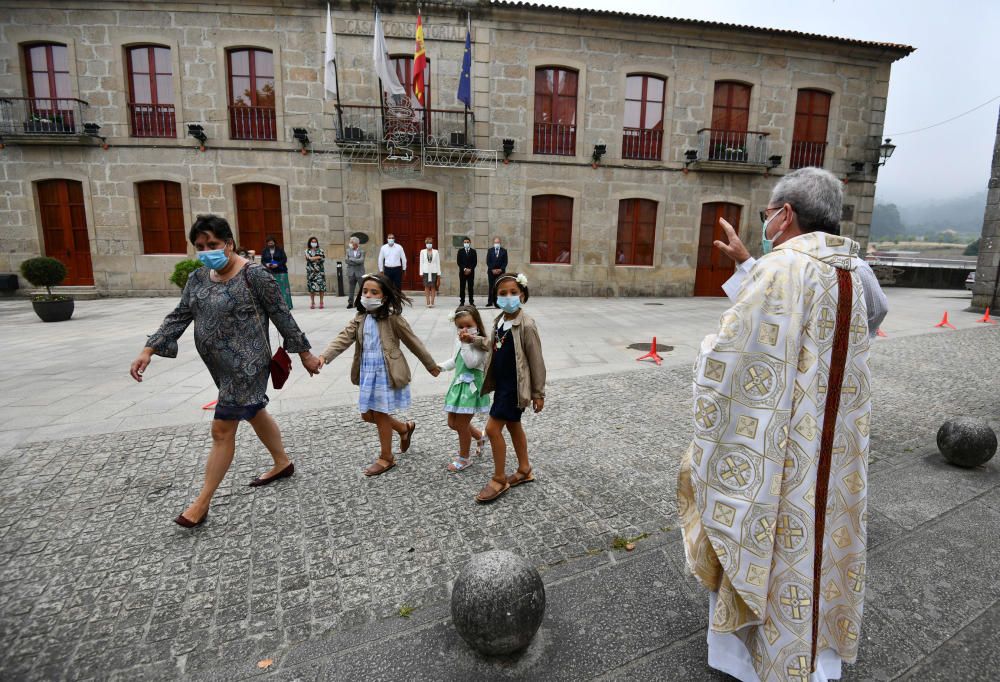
[(323, 197), (984, 293)]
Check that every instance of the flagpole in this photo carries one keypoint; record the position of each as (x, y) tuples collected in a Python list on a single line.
[(336, 77), (468, 29)]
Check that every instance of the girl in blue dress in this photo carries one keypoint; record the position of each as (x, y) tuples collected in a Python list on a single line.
[(380, 371)]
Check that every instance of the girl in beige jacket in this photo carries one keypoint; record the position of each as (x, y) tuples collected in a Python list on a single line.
[(379, 369)]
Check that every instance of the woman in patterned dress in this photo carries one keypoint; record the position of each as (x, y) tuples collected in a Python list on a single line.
[(274, 258), (231, 303), (315, 272)]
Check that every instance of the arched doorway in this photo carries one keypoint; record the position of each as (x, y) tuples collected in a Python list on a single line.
[(714, 267), (410, 215), (64, 228)]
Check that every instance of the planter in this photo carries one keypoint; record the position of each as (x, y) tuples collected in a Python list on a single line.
[(54, 311)]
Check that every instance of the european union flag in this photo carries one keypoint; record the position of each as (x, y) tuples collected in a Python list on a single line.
[(465, 80)]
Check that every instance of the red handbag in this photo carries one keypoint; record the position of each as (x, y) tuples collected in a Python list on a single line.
[(281, 363)]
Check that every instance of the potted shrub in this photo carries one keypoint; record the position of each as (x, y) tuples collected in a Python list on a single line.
[(48, 273), (183, 270)]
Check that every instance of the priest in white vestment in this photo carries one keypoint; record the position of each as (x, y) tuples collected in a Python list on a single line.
[(772, 491)]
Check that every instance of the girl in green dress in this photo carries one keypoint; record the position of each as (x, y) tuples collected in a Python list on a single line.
[(463, 400)]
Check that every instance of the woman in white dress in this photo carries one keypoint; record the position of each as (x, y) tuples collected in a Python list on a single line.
[(430, 271)]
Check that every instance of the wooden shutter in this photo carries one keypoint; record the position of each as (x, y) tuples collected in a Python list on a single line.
[(636, 232), (161, 217), (551, 228), (258, 215)]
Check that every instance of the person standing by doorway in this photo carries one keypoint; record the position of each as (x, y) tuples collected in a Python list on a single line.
[(315, 272), (496, 265), (392, 260), (355, 257), (430, 271), (467, 260), (273, 258)]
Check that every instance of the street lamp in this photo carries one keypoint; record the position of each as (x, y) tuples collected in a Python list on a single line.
[(885, 150)]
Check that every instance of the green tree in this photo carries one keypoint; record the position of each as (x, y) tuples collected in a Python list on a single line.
[(886, 221), (972, 249)]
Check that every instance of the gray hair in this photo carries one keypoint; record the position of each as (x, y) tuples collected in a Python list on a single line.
[(354, 240), (817, 197)]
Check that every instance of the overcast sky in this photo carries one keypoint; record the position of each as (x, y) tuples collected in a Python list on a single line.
[(952, 71)]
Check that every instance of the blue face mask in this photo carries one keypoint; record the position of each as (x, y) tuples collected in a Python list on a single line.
[(216, 260), (767, 245), (509, 304)]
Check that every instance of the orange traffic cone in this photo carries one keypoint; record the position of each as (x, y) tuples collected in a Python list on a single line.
[(944, 322), (986, 317), (879, 332), (652, 354), (209, 406)]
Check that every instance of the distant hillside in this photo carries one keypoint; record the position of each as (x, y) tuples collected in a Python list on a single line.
[(962, 214)]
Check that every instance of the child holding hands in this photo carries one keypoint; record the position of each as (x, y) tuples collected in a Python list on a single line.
[(464, 400), (515, 373), (380, 370)]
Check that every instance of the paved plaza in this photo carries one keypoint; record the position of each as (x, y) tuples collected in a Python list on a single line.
[(311, 573)]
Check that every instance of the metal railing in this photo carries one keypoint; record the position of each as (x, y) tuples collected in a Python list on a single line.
[(555, 138), (641, 143), (152, 120), (433, 127), (252, 123), (41, 116), (732, 146), (807, 154)]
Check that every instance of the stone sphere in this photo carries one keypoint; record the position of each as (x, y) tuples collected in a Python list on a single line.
[(967, 442), (498, 603)]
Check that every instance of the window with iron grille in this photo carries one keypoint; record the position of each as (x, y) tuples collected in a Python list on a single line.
[(636, 232), (151, 91), (812, 118), (50, 104), (555, 111), (642, 137), (551, 228), (251, 94)]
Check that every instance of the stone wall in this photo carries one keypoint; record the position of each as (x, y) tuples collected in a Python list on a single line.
[(988, 265), (329, 200)]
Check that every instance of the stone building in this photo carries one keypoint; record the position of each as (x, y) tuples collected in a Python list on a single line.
[(984, 292), (627, 136)]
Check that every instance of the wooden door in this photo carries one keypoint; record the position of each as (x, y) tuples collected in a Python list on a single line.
[(258, 215), (714, 267), (411, 215), (64, 229), (812, 118), (730, 121)]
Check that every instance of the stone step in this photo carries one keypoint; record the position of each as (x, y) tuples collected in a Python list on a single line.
[(79, 293)]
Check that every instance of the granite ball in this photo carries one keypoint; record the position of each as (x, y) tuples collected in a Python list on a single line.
[(498, 603), (967, 442)]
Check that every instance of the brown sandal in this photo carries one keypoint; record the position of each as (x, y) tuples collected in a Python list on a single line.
[(492, 490), (379, 466), (404, 439), (517, 478)]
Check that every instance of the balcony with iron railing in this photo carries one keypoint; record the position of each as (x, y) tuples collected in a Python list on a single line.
[(152, 120), (31, 117), (807, 154), (252, 123), (642, 144), (739, 150), (431, 127), (558, 139)]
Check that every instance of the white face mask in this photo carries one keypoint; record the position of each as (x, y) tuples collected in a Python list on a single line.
[(390, 242), (471, 331), (467, 246), (370, 304), (496, 245), (313, 245), (430, 246)]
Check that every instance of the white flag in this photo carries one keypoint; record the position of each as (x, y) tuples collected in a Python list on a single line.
[(383, 67), (330, 61)]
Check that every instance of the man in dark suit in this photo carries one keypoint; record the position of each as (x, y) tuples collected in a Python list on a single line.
[(467, 260), (496, 265)]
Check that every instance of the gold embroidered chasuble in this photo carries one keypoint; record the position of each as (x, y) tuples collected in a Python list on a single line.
[(747, 489)]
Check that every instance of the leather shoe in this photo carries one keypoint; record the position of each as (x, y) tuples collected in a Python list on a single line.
[(284, 473), (184, 521)]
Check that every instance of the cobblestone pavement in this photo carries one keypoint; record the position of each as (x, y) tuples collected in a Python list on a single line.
[(96, 582)]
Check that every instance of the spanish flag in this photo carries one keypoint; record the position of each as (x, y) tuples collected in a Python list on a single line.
[(419, 64)]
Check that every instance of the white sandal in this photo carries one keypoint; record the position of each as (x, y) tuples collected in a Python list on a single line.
[(459, 464)]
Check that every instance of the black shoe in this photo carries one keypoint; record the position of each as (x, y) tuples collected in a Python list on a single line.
[(284, 473), (349, 306)]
